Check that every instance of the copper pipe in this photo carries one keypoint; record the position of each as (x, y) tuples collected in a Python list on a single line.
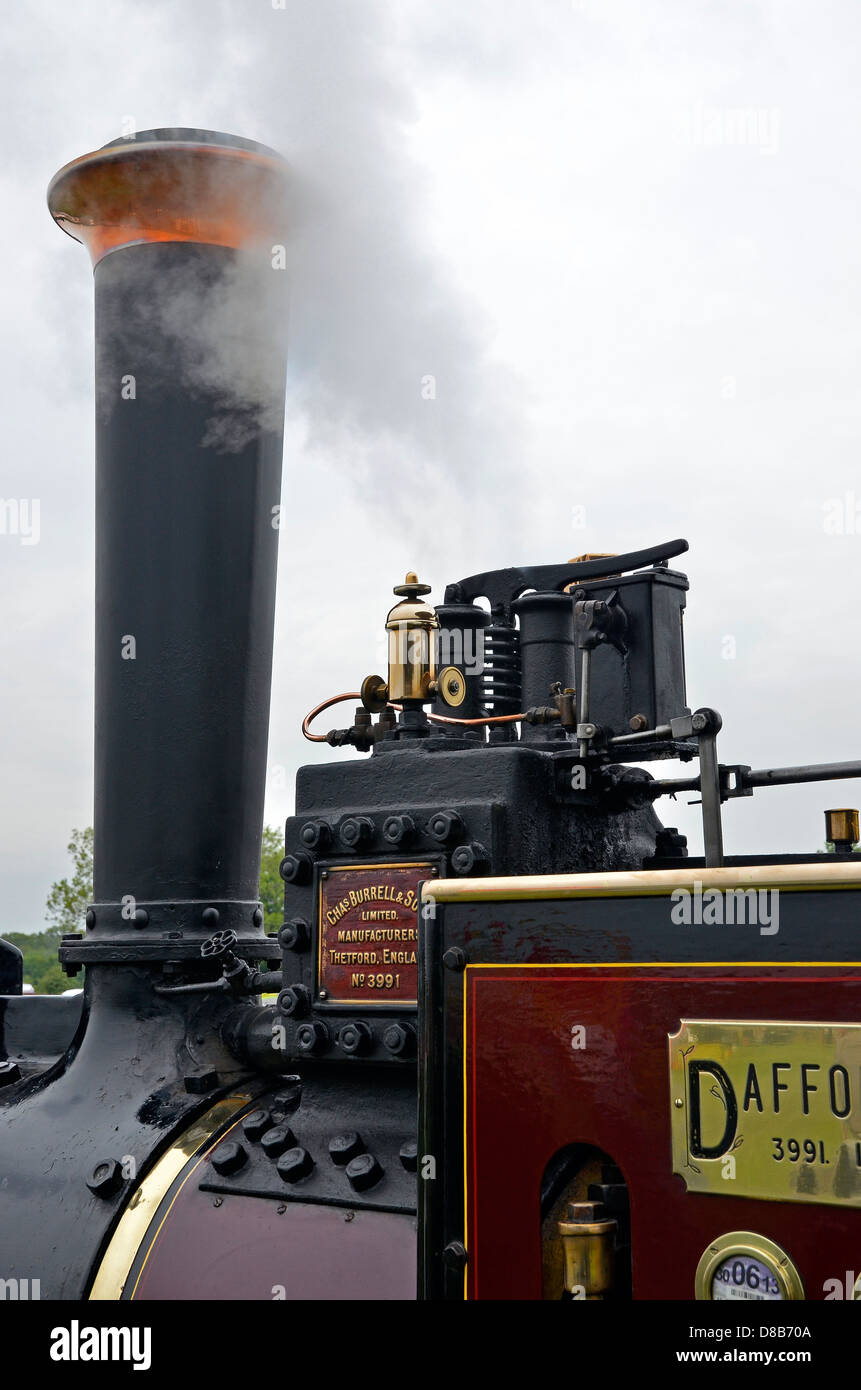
[(434, 718), (335, 700)]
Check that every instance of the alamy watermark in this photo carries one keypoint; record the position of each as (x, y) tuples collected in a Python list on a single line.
[(715, 907), (735, 127), (21, 517)]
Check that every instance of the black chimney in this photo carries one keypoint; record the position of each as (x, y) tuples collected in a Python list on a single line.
[(185, 228)]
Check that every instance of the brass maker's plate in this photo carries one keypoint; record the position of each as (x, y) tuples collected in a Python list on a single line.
[(770, 1110), (367, 935)]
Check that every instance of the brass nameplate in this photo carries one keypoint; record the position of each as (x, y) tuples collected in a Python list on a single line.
[(367, 938), (770, 1110)]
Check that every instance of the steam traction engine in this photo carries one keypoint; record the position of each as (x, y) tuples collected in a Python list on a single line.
[(522, 1045)]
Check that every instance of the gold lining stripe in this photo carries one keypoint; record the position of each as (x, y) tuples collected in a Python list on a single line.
[(135, 1221), (638, 883)]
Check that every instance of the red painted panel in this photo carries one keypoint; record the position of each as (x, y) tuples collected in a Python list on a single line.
[(529, 1093)]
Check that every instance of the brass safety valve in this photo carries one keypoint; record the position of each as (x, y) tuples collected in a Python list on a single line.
[(412, 626)]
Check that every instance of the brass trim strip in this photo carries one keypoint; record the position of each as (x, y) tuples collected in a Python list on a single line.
[(135, 1221), (640, 883)]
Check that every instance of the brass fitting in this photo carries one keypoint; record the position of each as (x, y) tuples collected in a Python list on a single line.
[(412, 626), (588, 1243), (841, 828)]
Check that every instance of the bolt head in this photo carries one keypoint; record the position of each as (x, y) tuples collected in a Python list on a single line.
[(289, 1097), (445, 825), (312, 1037), (294, 1002), (345, 1147), (469, 859), (277, 1141), (315, 834), (355, 831), (295, 1165), (294, 935), (398, 1038), (398, 829), (409, 1155), (256, 1124), (454, 959), (10, 1072), (355, 1038), (91, 919), (363, 1172), (296, 868), (106, 1178), (229, 1157)]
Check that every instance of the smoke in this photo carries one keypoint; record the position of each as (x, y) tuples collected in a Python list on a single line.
[(216, 322), (390, 366)]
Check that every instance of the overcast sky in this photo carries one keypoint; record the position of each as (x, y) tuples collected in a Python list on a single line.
[(625, 240)]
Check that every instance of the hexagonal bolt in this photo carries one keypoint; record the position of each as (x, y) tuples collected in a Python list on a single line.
[(356, 831), (315, 834), (312, 1037), (294, 1002), (345, 1147), (277, 1141), (289, 1097), (295, 935), (295, 1165), (255, 1125), (106, 1178), (470, 859), (400, 1039), (397, 830), (445, 825), (229, 1157), (296, 868), (363, 1172), (355, 1039)]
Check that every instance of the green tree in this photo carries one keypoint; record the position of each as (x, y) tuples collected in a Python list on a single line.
[(68, 897), (41, 968), (271, 885)]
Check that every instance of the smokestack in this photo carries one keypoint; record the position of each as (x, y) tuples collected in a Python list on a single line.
[(186, 233)]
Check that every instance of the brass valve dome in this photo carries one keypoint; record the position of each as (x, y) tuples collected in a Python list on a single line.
[(412, 626)]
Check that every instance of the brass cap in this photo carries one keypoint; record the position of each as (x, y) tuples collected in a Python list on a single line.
[(411, 611), (171, 185), (841, 826)]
